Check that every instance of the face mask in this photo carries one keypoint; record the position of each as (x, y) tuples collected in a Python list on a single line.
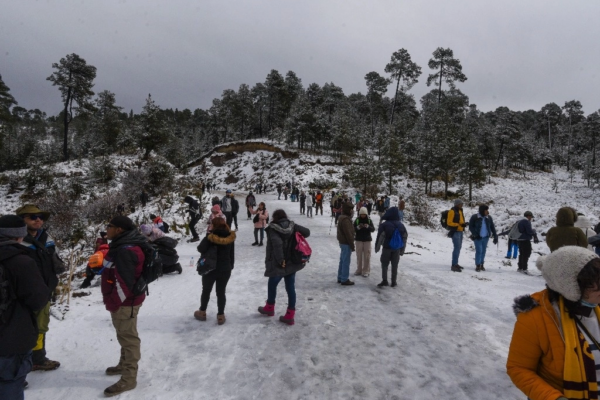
[(587, 304)]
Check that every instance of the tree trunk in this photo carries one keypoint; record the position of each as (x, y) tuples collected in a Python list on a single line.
[(440, 85), (499, 155), (395, 100), (66, 122)]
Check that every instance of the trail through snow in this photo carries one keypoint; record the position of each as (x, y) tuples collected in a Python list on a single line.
[(439, 334)]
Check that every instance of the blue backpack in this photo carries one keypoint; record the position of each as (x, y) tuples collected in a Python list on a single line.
[(396, 242)]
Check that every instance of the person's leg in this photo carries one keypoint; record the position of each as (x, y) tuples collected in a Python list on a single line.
[(457, 243), (359, 257), (386, 256), (524, 253), (208, 281), (192, 226), (515, 246), (478, 252), (272, 289), (125, 323), (13, 371), (228, 218), (345, 262), (248, 212), (366, 267), (39, 359), (222, 279), (235, 221), (509, 251), (256, 235), (484, 243), (290, 288), (262, 234), (395, 259)]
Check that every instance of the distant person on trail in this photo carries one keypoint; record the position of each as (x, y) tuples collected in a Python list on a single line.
[(285, 193), (401, 207), (363, 227), (279, 190), (309, 205), (224, 239), (524, 241), (385, 234), (215, 201), (565, 233), (380, 208), (227, 207), (302, 203), (318, 202), (250, 203), (482, 228), (553, 352), (278, 264), (345, 237), (357, 197), (235, 209), (336, 208), (100, 241), (456, 223), (28, 296), (386, 202), (369, 206), (144, 198), (261, 215), (195, 215), (215, 212)]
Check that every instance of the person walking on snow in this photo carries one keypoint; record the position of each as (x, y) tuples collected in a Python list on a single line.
[(227, 207), (278, 264), (388, 254), (363, 227), (524, 241), (261, 215), (235, 209), (345, 237), (250, 203), (482, 228), (456, 223), (309, 205), (302, 203), (195, 215), (224, 239)]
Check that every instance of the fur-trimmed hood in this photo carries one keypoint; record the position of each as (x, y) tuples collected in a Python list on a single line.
[(524, 303), (218, 239)]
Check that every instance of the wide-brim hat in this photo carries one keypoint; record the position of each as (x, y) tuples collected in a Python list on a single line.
[(32, 209)]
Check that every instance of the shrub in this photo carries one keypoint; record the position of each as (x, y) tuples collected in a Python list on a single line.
[(419, 211)]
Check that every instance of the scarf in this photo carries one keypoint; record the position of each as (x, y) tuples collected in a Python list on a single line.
[(579, 374)]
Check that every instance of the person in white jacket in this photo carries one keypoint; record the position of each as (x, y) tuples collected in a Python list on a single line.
[(586, 226), (309, 205)]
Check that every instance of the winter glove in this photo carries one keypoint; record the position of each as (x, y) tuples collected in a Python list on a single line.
[(495, 240), (464, 225), (535, 239)]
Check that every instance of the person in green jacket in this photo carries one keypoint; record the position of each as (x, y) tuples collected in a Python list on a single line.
[(565, 233)]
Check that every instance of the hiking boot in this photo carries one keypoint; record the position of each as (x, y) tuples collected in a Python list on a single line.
[(197, 239), (47, 365), (394, 284), (347, 283), (261, 243), (178, 268), (523, 271), (220, 319), (478, 268), (455, 268), (119, 388), (288, 318), (268, 309), (255, 244), (358, 273), (339, 281), (481, 267), (200, 315), (507, 257), (461, 268), (114, 370), (383, 283)]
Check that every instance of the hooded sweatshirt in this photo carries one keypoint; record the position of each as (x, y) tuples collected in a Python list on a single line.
[(565, 233), (278, 236)]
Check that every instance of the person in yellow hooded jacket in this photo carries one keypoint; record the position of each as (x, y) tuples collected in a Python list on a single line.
[(456, 223), (554, 351)]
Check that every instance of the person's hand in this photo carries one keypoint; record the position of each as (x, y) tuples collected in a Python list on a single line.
[(496, 240), (283, 264), (464, 224), (535, 240)]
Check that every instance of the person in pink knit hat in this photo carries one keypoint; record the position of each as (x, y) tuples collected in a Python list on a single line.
[(215, 212)]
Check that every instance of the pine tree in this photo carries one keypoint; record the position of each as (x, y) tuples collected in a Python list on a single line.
[(449, 70), (402, 69), (152, 131)]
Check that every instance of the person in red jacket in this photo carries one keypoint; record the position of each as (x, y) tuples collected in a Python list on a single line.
[(123, 266)]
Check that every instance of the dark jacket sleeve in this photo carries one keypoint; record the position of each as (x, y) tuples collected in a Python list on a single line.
[(203, 246), (232, 254), (31, 289), (473, 225), (304, 231)]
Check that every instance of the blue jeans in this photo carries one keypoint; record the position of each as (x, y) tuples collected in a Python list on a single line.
[(13, 371), (290, 288), (480, 248), (457, 238), (513, 248), (344, 267), (262, 234)]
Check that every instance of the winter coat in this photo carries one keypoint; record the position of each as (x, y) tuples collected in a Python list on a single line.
[(18, 326), (476, 222), (193, 207), (278, 236), (363, 234), (226, 204), (151, 232), (345, 231), (302, 199), (527, 232), (387, 228), (43, 252), (456, 219), (224, 240), (565, 233), (262, 218), (319, 199), (235, 206), (586, 226), (380, 206), (386, 203), (122, 268), (309, 201), (166, 250), (536, 355), (250, 201)]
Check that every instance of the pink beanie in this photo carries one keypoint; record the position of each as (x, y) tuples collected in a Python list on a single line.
[(215, 208)]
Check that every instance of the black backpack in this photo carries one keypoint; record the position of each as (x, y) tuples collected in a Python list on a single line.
[(444, 219), (151, 269), (7, 295)]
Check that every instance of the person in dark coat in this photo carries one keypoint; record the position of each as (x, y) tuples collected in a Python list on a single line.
[(524, 241), (384, 236), (250, 203), (195, 215), (224, 239), (278, 264), (565, 233), (345, 237), (18, 328), (302, 202), (235, 209), (482, 228), (363, 227)]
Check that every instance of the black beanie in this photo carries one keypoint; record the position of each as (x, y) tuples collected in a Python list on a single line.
[(12, 226), (123, 222)]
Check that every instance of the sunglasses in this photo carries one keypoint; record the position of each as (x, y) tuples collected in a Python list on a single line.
[(35, 217)]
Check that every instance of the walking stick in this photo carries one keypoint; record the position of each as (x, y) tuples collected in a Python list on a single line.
[(331, 224)]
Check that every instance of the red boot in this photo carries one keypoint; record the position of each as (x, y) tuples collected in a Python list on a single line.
[(268, 309), (288, 318)]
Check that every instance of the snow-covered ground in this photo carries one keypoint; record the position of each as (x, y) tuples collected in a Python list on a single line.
[(439, 334)]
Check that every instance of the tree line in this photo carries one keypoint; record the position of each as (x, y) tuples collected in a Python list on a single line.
[(380, 135)]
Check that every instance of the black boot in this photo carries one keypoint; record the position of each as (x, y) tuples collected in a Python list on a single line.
[(394, 284), (255, 244), (261, 243), (383, 283)]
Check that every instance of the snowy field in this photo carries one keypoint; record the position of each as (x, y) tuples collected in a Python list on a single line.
[(439, 334)]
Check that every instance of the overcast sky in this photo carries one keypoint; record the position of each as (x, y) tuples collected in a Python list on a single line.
[(519, 54)]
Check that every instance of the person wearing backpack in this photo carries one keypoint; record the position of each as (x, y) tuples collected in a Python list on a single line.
[(23, 293), (279, 264), (456, 223), (565, 233), (261, 215), (224, 239), (363, 227), (195, 215), (524, 241), (124, 265), (482, 228), (392, 237), (345, 237)]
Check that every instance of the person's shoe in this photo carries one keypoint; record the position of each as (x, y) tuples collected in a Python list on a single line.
[(455, 268), (383, 283), (507, 257), (268, 309), (365, 275), (261, 243), (47, 365), (461, 268), (200, 315), (25, 385), (523, 271), (514, 258), (288, 318), (481, 267), (255, 244), (197, 239), (178, 268), (114, 370), (119, 388), (339, 281), (478, 268), (358, 273), (220, 319), (394, 284), (347, 283)]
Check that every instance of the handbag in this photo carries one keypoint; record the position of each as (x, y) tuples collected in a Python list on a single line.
[(255, 220)]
